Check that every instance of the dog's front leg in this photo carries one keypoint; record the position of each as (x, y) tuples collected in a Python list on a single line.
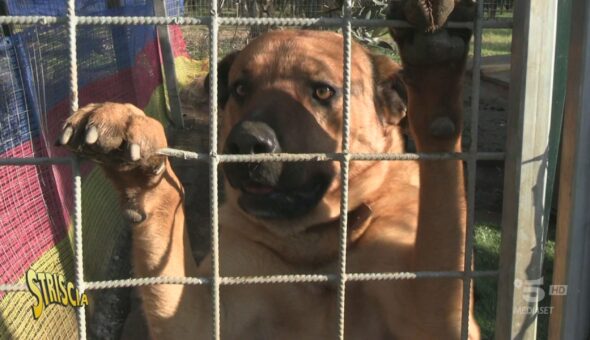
[(123, 140), (434, 62)]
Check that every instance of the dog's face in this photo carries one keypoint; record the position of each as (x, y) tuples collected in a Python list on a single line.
[(283, 93)]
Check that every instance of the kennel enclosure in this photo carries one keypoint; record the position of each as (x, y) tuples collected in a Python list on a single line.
[(55, 60)]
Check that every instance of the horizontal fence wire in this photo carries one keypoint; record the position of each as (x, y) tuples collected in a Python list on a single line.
[(267, 279), (34, 161), (330, 156), (175, 20), (281, 157)]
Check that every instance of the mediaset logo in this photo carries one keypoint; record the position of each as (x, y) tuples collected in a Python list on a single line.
[(533, 293)]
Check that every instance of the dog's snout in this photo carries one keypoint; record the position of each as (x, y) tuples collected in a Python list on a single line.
[(250, 137), (253, 137)]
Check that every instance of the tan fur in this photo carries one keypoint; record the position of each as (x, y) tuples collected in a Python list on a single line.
[(417, 220)]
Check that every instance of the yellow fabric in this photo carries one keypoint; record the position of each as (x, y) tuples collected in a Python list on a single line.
[(56, 322)]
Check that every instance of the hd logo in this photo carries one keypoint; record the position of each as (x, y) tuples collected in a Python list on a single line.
[(53, 288)]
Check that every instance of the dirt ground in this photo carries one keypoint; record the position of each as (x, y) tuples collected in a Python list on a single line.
[(107, 320)]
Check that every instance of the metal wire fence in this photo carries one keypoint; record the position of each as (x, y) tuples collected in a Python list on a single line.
[(213, 21), (494, 8)]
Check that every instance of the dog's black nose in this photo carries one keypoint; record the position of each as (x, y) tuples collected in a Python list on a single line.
[(250, 137)]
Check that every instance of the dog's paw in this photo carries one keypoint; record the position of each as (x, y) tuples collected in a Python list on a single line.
[(118, 136), (433, 58), (429, 42)]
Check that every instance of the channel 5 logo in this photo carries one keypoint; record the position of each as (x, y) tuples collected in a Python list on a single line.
[(532, 290)]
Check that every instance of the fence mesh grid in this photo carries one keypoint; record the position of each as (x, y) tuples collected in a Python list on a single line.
[(213, 21)]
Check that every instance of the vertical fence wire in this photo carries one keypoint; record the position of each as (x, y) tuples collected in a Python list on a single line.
[(73, 57), (344, 165), (213, 180), (472, 168), (77, 179), (78, 242)]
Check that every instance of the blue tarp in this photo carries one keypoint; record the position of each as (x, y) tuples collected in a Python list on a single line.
[(38, 77)]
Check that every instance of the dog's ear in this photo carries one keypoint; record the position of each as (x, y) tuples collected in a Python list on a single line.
[(223, 68), (390, 91)]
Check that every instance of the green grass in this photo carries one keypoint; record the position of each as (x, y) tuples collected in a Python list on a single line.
[(496, 42), (487, 255)]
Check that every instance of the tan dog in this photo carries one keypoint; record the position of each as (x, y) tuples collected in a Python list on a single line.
[(283, 93)]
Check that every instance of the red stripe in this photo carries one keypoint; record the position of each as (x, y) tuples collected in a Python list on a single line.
[(27, 230), (177, 42), (30, 221), (135, 85), (36, 206)]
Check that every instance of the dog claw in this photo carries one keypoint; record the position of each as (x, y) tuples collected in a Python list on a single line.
[(135, 152), (66, 135), (424, 15), (442, 127), (91, 135), (429, 42), (160, 169)]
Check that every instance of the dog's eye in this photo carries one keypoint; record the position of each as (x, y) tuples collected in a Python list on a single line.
[(323, 92), (240, 90)]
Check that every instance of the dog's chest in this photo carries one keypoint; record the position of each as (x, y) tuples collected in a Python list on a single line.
[(304, 311)]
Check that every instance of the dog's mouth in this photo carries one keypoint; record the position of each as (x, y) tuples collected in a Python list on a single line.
[(275, 202), (254, 188), (275, 189)]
